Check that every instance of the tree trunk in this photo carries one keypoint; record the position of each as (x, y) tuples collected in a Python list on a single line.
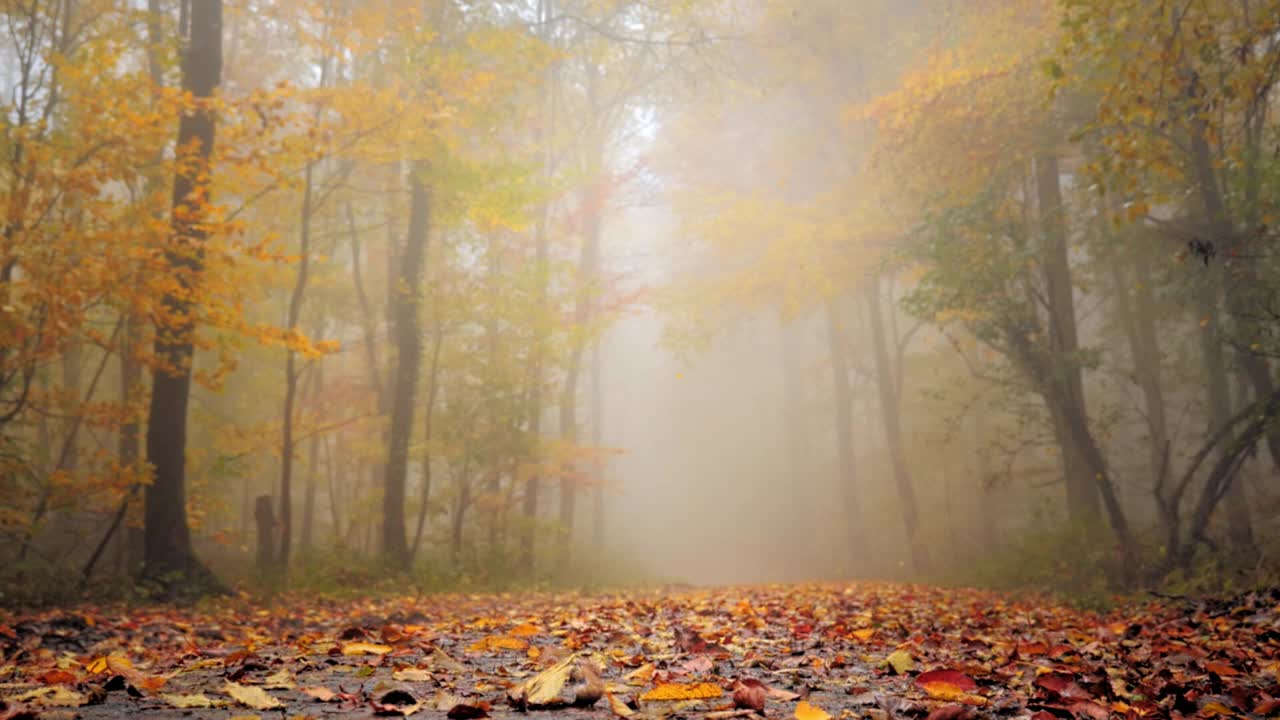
[(1064, 343), (266, 524), (408, 339), (842, 396), (307, 538), (795, 421), (433, 389), (168, 549), (588, 265), (291, 373), (890, 413), (597, 438), (1137, 313)]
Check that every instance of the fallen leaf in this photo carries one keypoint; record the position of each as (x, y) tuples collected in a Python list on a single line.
[(642, 675), (901, 662), (684, 691), (365, 648), (952, 712), (280, 680), (543, 689), (498, 642), (323, 694), (463, 711), (805, 711), (749, 694), (199, 700), (249, 696), (617, 707), (411, 674)]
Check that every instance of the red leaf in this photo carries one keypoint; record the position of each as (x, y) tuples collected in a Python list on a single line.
[(1062, 685), (749, 694), (950, 677), (952, 712)]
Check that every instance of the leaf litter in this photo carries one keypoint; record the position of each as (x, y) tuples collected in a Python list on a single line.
[(806, 652)]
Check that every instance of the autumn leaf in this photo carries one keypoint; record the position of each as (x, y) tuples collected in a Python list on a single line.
[(543, 689), (617, 706), (198, 700), (683, 691), (642, 675), (365, 648), (323, 694), (805, 711), (901, 662), (951, 686), (749, 694), (498, 642), (411, 675), (249, 696)]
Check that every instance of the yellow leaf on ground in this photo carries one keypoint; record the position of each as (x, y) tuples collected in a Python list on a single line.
[(901, 662), (951, 693), (365, 648), (254, 697), (805, 711), (641, 675), (864, 634), (543, 688), (525, 630), (498, 642), (618, 707), (683, 691), (199, 700), (411, 675)]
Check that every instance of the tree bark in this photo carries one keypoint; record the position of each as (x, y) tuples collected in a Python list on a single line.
[(406, 327), (291, 372), (891, 413), (168, 550), (842, 396), (1064, 343)]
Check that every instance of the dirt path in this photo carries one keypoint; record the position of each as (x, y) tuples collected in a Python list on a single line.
[(865, 650)]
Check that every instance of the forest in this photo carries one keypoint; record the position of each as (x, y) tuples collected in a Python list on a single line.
[(500, 294), (645, 359)]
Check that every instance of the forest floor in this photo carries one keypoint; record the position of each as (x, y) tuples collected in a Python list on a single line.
[(805, 652)]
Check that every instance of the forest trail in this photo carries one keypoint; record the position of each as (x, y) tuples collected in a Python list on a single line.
[(803, 651)]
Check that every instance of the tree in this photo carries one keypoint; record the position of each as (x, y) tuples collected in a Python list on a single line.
[(168, 549)]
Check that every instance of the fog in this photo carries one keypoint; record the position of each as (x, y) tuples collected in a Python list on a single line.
[(481, 295)]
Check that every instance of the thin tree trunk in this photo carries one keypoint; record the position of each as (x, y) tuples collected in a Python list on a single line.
[(314, 393), (842, 396), (406, 327), (890, 413), (432, 391), (597, 439), (291, 373)]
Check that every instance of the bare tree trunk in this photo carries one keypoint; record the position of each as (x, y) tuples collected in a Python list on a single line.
[(291, 373), (314, 393), (1082, 494), (599, 466), (432, 391), (795, 420), (842, 396), (890, 413), (588, 264), (406, 325)]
